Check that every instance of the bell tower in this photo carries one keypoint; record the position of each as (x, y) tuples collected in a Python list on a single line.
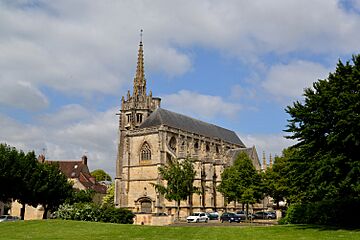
[(135, 108)]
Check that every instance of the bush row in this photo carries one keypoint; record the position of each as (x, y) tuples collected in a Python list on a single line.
[(335, 213), (94, 213)]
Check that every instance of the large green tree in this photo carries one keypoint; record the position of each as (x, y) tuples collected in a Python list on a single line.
[(327, 127), (51, 187), (276, 182), (179, 176), (24, 179), (16, 176), (241, 182)]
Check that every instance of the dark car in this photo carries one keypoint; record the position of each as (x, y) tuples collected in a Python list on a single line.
[(213, 216), (230, 217), (243, 214), (264, 215)]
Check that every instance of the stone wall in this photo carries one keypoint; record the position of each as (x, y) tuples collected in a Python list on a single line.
[(151, 219)]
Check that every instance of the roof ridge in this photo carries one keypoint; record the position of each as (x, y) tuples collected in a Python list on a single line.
[(211, 124)]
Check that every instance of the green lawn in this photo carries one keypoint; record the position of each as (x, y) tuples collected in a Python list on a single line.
[(58, 229)]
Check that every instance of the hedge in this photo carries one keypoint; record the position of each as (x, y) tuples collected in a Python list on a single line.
[(94, 213)]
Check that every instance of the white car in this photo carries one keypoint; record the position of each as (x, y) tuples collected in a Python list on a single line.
[(197, 217)]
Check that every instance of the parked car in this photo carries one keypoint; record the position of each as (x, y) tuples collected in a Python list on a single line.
[(272, 215), (8, 218), (197, 217), (264, 215), (213, 216), (230, 217), (243, 214)]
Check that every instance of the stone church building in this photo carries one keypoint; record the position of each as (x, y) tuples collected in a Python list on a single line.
[(150, 136)]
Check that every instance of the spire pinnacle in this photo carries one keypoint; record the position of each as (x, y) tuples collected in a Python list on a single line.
[(139, 80), (141, 35)]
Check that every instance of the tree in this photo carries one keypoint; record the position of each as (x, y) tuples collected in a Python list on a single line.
[(108, 199), (275, 179), (24, 179), (16, 171), (241, 182), (81, 196), (327, 127), (100, 175), (51, 187), (179, 176), (8, 180)]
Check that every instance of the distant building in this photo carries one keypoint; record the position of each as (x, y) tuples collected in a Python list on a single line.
[(150, 136), (78, 173)]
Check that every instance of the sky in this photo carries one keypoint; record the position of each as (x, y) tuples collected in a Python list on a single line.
[(64, 66)]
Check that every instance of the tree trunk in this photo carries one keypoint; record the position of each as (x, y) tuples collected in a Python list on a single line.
[(46, 209), (22, 211), (178, 211), (247, 210), (191, 204)]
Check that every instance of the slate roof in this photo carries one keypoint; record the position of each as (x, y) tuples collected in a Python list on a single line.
[(164, 117), (251, 152)]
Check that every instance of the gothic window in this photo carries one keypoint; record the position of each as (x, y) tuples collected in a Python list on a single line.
[(196, 146), (139, 118), (217, 149), (207, 148), (145, 152), (172, 144), (128, 118)]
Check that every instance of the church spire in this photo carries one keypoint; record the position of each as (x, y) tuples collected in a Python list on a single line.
[(139, 80)]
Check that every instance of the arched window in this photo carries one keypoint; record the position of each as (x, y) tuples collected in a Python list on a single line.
[(207, 148), (145, 152), (172, 143)]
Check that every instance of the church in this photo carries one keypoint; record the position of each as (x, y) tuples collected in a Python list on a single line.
[(150, 136)]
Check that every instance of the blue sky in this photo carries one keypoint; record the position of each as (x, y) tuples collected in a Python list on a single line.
[(64, 66)]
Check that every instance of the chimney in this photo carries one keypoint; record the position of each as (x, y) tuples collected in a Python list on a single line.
[(84, 159)]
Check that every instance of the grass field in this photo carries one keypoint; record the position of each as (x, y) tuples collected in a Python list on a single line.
[(58, 229)]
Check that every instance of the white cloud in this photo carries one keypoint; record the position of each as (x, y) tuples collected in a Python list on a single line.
[(93, 133), (199, 105), (22, 95), (83, 47), (269, 143), (289, 80)]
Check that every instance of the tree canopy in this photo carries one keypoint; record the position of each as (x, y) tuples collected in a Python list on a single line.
[(24, 179), (179, 176), (100, 175), (327, 127), (241, 182)]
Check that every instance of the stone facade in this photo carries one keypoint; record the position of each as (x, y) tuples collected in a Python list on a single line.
[(150, 136)]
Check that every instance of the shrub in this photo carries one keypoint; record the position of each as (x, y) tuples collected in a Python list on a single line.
[(334, 213), (94, 213)]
